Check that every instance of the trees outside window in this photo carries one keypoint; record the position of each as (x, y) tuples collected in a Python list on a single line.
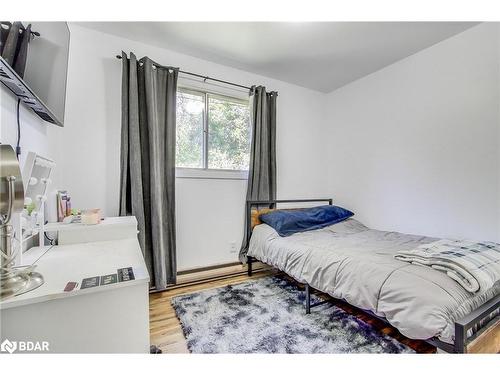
[(213, 131)]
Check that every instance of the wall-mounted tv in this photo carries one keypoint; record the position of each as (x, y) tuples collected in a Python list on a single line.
[(41, 81)]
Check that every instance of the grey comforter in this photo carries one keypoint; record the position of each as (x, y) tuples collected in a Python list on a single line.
[(352, 262)]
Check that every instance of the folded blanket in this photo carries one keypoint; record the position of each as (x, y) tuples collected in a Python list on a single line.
[(474, 265)]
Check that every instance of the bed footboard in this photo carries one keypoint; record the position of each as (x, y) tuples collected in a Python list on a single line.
[(487, 337), (485, 340)]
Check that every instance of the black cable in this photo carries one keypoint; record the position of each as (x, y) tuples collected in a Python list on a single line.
[(18, 148), (51, 240)]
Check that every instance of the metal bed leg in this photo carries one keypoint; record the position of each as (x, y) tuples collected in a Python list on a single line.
[(249, 266), (308, 299), (460, 337)]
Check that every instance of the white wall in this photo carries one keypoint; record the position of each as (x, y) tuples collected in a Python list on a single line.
[(36, 136), (209, 212), (415, 146)]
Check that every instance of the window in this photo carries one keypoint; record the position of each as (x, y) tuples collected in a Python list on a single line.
[(213, 131), (190, 129)]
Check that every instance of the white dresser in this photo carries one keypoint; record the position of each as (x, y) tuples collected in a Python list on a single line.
[(112, 318)]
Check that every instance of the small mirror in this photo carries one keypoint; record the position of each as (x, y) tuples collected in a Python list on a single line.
[(36, 175)]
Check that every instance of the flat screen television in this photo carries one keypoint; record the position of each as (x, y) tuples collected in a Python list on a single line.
[(43, 86)]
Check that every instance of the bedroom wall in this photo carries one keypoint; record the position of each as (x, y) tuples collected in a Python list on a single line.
[(415, 146), (209, 211), (36, 136)]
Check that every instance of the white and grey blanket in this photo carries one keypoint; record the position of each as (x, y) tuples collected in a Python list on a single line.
[(474, 265)]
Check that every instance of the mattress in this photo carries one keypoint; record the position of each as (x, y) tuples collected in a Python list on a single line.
[(353, 262)]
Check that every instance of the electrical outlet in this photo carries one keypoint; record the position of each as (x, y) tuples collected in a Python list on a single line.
[(232, 247)]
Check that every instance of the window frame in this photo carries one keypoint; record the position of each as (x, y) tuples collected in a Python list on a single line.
[(205, 172)]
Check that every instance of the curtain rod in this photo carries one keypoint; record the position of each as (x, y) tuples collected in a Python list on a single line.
[(207, 78)]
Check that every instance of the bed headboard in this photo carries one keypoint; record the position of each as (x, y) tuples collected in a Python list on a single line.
[(273, 204)]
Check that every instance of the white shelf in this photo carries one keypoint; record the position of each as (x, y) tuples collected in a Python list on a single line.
[(109, 229), (124, 221)]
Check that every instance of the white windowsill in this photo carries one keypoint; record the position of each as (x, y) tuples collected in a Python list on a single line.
[(210, 174)]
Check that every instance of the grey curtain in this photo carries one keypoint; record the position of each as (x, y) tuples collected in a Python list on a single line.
[(148, 162), (262, 168)]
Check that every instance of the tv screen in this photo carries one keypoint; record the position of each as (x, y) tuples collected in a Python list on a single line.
[(47, 65)]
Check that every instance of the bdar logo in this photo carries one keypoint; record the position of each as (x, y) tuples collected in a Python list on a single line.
[(8, 346)]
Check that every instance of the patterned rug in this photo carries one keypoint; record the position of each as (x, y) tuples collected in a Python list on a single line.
[(267, 316)]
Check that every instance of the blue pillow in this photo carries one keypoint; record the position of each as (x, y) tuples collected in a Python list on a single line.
[(288, 222)]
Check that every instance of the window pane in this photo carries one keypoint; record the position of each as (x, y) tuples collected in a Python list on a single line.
[(189, 150), (228, 134)]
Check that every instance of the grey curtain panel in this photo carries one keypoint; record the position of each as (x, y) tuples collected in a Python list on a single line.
[(15, 39), (148, 162), (262, 169)]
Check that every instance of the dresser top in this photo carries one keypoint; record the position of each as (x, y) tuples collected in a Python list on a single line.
[(62, 264)]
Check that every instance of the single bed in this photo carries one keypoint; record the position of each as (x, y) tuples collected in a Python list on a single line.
[(356, 264)]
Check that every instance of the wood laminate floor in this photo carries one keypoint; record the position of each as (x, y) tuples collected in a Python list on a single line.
[(166, 332)]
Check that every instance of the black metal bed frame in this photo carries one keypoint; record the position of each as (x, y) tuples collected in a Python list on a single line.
[(462, 326)]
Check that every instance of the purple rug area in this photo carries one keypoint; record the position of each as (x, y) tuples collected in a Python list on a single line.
[(267, 316)]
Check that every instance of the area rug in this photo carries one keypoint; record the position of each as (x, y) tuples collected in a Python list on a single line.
[(267, 316)]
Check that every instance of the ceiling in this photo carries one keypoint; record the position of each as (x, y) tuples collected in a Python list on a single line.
[(322, 56)]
